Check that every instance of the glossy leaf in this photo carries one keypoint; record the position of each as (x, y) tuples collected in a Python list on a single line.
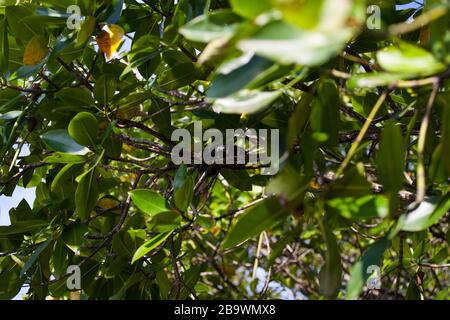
[(60, 140), (84, 129), (254, 221), (33, 258), (391, 157), (22, 226), (408, 58), (425, 215), (86, 31), (238, 74), (357, 209), (245, 101), (183, 189), (148, 201), (287, 44), (149, 246), (86, 195)]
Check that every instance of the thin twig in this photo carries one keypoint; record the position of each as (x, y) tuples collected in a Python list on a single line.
[(362, 133), (421, 179)]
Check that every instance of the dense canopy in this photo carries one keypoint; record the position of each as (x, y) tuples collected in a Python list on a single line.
[(91, 93)]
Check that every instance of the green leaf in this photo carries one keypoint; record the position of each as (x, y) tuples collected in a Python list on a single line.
[(413, 292), (132, 280), (374, 80), (59, 258), (79, 97), (113, 147), (391, 158), (94, 164), (145, 55), (67, 172), (165, 221), (10, 280), (238, 178), (237, 74), (245, 101), (250, 8), (162, 118), (287, 44), (210, 27), (121, 245), (428, 213), (60, 140), (34, 256), (148, 201), (325, 113), (288, 184), (74, 235), (19, 26), (22, 226), (50, 17), (105, 88), (84, 129), (183, 189), (4, 46), (257, 219), (87, 28), (303, 14), (149, 246), (353, 184), (190, 278), (362, 208), (129, 106), (331, 273), (407, 58), (10, 115), (65, 158), (179, 75), (359, 275), (86, 195)]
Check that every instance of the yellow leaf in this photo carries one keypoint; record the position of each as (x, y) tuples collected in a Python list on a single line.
[(108, 203), (128, 112), (35, 51), (110, 39), (314, 184)]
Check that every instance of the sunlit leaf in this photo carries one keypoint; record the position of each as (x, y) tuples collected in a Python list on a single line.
[(110, 39), (149, 246), (148, 201), (35, 51)]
